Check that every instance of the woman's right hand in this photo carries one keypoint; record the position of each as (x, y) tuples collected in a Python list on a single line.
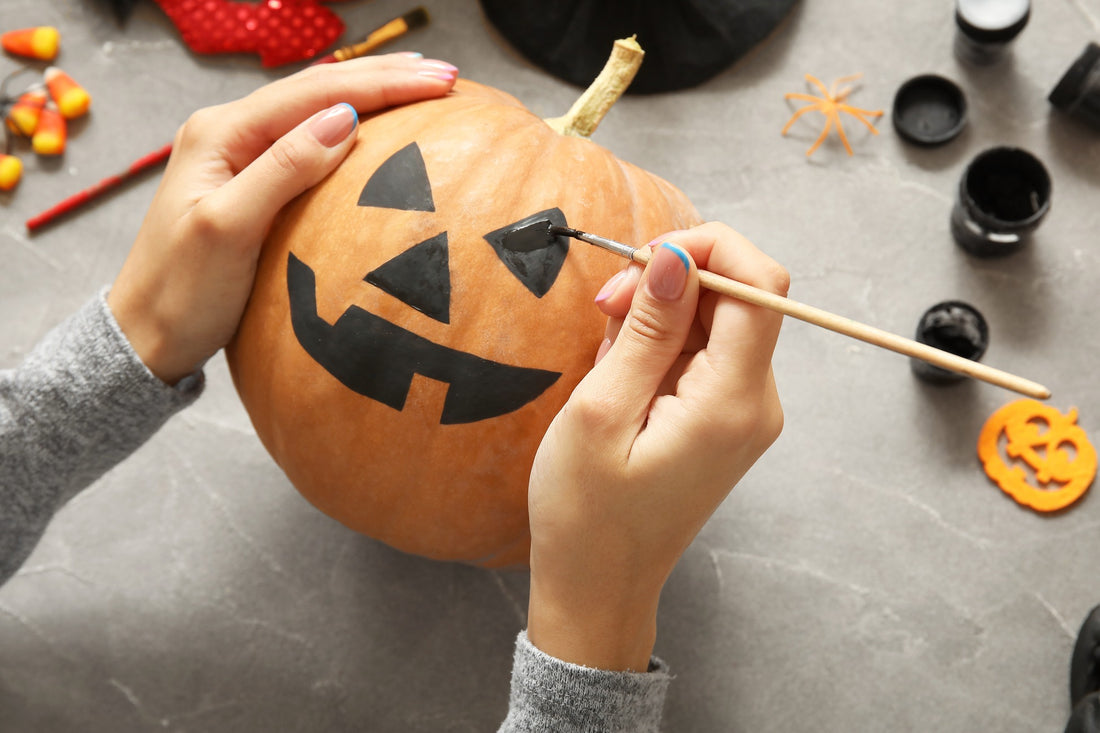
[(680, 404)]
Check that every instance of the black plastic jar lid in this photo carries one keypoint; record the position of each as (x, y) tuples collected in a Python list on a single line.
[(929, 110), (1076, 78)]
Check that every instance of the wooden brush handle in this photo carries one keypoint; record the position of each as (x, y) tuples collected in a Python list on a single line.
[(861, 331)]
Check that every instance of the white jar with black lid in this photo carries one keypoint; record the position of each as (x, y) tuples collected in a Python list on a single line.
[(985, 28)]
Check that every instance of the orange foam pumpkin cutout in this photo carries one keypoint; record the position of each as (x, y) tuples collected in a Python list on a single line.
[(1040, 443), (400, 358)]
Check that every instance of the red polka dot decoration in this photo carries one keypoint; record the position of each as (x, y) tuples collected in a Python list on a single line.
[(280, 31)]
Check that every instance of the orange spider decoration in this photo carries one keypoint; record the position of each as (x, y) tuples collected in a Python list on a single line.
[(831, 105)]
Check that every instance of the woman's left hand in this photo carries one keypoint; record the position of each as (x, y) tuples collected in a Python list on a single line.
[(183, 288)]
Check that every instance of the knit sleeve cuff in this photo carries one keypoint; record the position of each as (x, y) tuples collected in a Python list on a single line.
[(88, 401), (549, 694), (128, 386)]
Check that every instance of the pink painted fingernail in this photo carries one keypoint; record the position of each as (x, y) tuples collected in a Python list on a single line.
[(610, 286), (445, 76), (439, 65), (334, 125), (661, 239), (601, 352)]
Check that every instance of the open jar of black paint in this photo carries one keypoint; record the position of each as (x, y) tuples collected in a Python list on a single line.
[(1003, 195), (955, 327)]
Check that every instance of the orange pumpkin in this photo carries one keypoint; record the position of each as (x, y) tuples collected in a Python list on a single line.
[(399, 359)]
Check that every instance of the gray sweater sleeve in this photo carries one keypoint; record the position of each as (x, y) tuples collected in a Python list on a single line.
[(552, 696), (82, 401), (79, 403)]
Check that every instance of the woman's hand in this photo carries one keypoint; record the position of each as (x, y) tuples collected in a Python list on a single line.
[(679, 405), (184, 285)]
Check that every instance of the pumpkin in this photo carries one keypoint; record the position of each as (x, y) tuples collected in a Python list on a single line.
[(400, 357)]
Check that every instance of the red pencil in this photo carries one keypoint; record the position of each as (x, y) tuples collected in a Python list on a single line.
[(415, 18), (79, 199)]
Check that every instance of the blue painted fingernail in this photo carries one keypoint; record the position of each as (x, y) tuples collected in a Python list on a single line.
[(668, 272), (679, 252), (334, 126), (354, 114)]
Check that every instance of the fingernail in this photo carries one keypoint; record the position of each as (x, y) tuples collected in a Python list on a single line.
[(334, 125), (444, 75), (601, 352), (660, 240), (411, 54), (668, 272), (439, 65), (610, 286)]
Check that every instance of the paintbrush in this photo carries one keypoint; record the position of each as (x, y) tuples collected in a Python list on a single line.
[(416, 18), (393, 29), (818, 317)]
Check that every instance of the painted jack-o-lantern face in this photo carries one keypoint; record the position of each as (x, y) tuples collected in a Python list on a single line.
[(1047, 463), (402, 354), (378, 359)]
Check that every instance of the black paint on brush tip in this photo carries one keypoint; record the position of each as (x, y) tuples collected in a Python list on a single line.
[(529, 236)]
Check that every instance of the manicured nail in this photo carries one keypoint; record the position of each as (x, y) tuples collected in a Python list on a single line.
[(668, 271), (610, 286), (601, 352), (444, 75), (660, 240), (411, 54), (334, 125), (439, 65)]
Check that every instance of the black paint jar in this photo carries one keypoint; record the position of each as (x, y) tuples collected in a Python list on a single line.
[(1078, 92), (1003, 195), (955, 327), (985, 28)]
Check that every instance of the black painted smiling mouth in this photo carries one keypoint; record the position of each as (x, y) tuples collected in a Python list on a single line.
[(378, 359)]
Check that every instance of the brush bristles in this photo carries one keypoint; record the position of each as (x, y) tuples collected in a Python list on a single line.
[(417, 18), (560, 231)]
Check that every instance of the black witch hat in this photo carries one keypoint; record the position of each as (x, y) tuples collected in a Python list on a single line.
[(686, 41)]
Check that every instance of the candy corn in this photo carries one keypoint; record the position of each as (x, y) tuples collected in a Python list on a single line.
[(11, 170), (49, 137), (71, 98), (37, 43), (23, 115)]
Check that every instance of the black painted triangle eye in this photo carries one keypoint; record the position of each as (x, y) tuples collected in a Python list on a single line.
[(400, 183), (532, 256), (420, 277)]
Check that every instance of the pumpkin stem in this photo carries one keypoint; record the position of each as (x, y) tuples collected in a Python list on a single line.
[(585, 115)]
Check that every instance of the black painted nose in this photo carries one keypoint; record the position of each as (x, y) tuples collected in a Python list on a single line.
[(420, 277)]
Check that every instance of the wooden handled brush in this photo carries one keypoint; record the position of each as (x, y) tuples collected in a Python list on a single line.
[(809, 314)]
